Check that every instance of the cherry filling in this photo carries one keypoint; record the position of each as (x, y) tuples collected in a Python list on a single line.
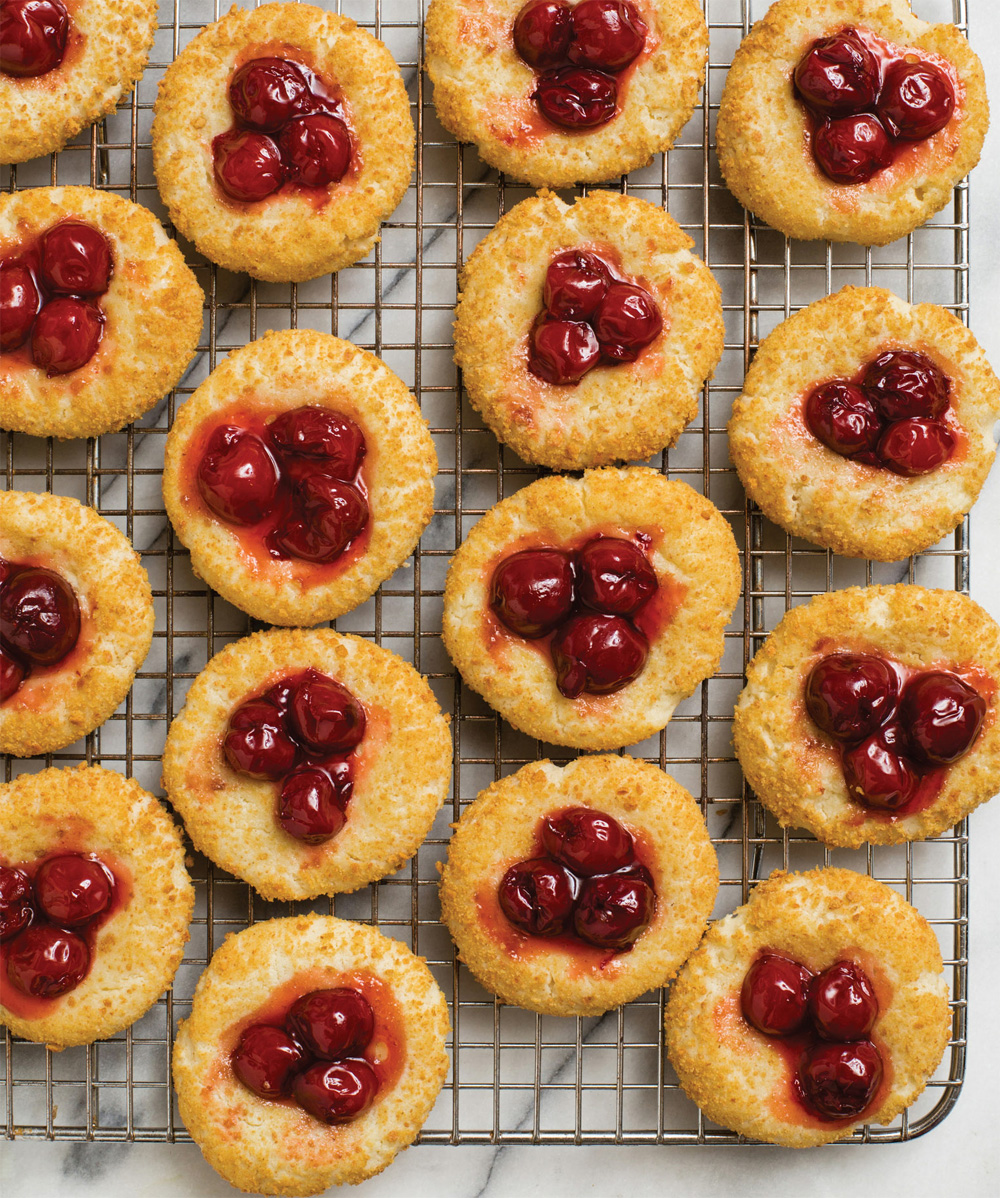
[(865, 100), (39, 622), (890, 415), (33, 37), (302, 733)]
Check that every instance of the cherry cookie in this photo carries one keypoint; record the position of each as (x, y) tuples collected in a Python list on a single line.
[(866, 424), (94, 904), (558, 92), (63, 65), (572, 889), (282, 138), (585, 609), (818, 1006), (101, 316), (314, 1052), (871, 715), (300, 476), (308, 763), (76, 621), (585, 333), (850, 120)]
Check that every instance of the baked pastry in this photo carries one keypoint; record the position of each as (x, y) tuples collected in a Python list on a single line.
[(571, 890), (63, 65), (818, 1006), (871, 714), (76, 621), (282, 138), (586, 332), (101, 315), (286, 762), (850, 120), (94, 904), (262, 1081), (866, 424), (300, 476), (585, 609), (558, 93)]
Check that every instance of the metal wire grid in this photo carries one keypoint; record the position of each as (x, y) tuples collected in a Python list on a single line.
[(516, 1077)]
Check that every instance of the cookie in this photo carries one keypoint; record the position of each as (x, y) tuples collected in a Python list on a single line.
[(254, 187), (573, 967), (95, 904), (770, 1086), (629, 101), (76, 613), (273, 1145), (860, 138), (918, 427), (65, 64), (640, 384), (105, 314), (615, 613), (338, 541)]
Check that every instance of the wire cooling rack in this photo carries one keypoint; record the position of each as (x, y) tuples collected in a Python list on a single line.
[(516, 1077)]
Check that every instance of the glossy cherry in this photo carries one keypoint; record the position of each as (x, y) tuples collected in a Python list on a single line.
[(542, 31), (942, 715), (838, 1081), (66, 334), (19, 305), (905, 383), (626, 321), (563, 351), (320, 435), (607, 34), (332, 1023), (850, 695), (587, 841), (257, 743), (878, 771), (16, 911), (45, 962), (72, 890), (597, 654), (615, 576), (838, 75), (851, 149), (842, 1003), (338, 1092), (248, 164), (33, 36), (614, 910), (775, 995), (315, 149), (914, 447), (333, 514), (575, 283), (309, 807), (325, 716), (577, 97), (13, 672), (537, 896), (266, 1060), (917, 100), (76, 259), (39, 615), (266, 92), (842, 416), (533, 591), (237, 475)]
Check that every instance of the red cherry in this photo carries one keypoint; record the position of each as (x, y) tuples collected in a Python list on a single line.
[(838, 75), (942, 715), (615, 576), (917, 100), (532, 591), (237, 476), (316, 149), (775, 994), (45, 961), (32, 36), (541, 32), (614, 910), (320, 434), (587, 842), (247, 164), (19, 304), (333, 514), (336, 1093), (266, 1060), (308, 806), (849, 695), (257, 744), (904, 383), (15, 902), (877, 772), (72, 890), (267, 92), (563, 351), (39, 615), (537, 896), (577, 97), (66, 335), (597, 654), (918, 446), (575, 284), (13, 672), (626, 321), (325, 715), (851, 149), (843, 417), (607, 34), (76, 259), (838, 1081), (332, 1023), (842, 1003)]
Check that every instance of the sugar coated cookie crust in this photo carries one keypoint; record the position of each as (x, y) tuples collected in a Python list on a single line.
[(796, 772), (813, 492), (137, 951), (280, 372), (501, 827), (401, 780), (692, 549), (276, 1148), (153, 319), (734, 1073), (106, 52), (623, 412), (287, 237), (56, 706), (482, 90), (763, 130)]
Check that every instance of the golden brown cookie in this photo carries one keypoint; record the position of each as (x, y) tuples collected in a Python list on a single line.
[(845, 505), (137, 940), (58, 702), (482, 92), (619, 410), (765, 133), (273, 1145), (296, 233), (282, 372), (745, 1080), (561, 974)]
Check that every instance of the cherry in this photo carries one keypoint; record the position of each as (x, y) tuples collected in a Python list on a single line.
[(918, 446), (577, 97), (838, 75), (537, 896), (532, 591), (942, 715), (32, 36), (237, 476), (45, 961), (266, 1060), (318, 433), (265, 93), (615, 576), (332, 1023), (607, 34), (597, 654), (851, 149), (542, 30), (917, 100), (19, 304), (248, 165), (257, 744), (849, 695), (775, 995), (614, 910), (838, 1081), (72, 890), (308, 806), (15, 902), (13, 672), (76, 259), (562, 351), (587, 842), (904, 383), (336, 1093), (333, 514), (842, 1003), (626, 321), (315, 149), (575, 284), (39, 615), (877, 771), (325, 715), (843, 417), (66, 335)]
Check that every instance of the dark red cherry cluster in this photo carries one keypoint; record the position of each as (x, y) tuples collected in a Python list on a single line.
[(578, 52), (892, 730), (290, 126), (302, 732), (586, 882), (33, 37), (866, 103), (585, 602), (314, 1055), (592, 316), (39, 622), (889, 416), (831, 1015), (48, 923), (48, 296), (296, 480)]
